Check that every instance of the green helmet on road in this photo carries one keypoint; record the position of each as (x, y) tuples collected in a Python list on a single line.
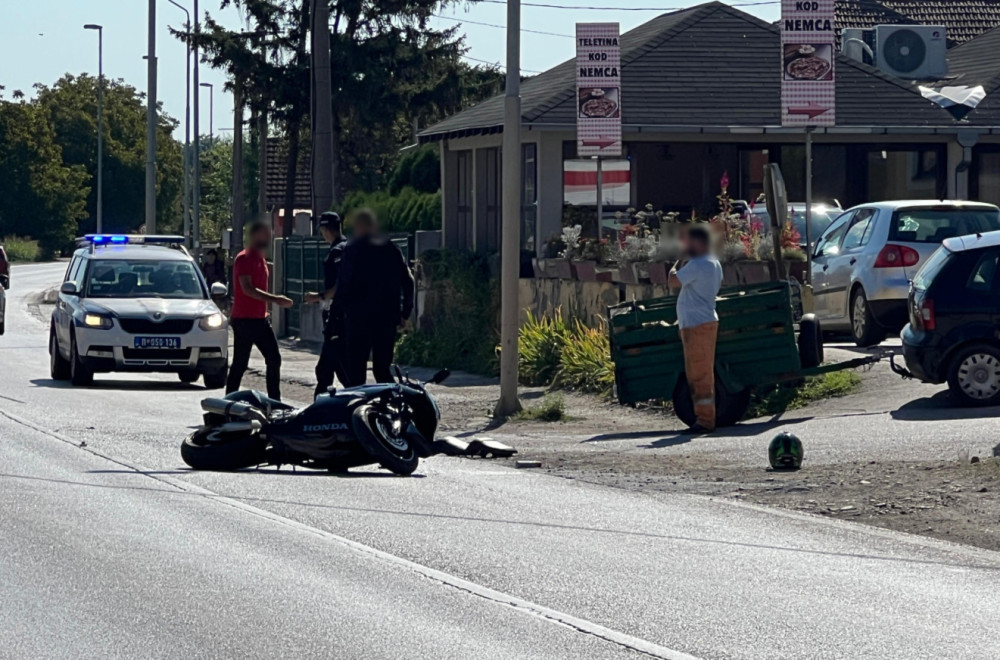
[(785, 452)]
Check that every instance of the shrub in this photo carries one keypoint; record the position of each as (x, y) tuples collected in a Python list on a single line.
[(20, 249), (407, 211), (586, 361), (541, 345), (461, 309), (551, 409)]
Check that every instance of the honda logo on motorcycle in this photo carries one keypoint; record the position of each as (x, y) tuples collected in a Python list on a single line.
[(324, 427)]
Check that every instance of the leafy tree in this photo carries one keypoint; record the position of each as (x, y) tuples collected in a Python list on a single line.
[(390, 69), (70, 108), (40, 195)]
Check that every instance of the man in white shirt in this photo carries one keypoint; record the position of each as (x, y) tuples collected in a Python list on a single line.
[(699, 281)]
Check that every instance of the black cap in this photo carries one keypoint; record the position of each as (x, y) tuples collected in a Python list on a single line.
[(329, 220)]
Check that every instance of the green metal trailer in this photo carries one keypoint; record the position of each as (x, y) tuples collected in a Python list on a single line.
[(757, 345)]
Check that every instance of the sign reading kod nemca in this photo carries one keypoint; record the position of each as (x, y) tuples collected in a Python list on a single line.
[(808, 52), (598, 90)]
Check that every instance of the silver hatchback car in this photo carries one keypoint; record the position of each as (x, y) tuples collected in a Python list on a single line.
[(863, 263)]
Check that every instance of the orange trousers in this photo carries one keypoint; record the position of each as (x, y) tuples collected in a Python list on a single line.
[(699, 364)]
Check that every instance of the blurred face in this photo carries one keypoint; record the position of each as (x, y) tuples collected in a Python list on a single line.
[(261, 239), (696, 246), (328, 234), (210, 258)]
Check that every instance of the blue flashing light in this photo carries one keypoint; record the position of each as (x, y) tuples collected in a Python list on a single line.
[(105, 239)]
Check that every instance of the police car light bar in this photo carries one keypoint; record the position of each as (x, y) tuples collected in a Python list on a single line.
[(131, 239)]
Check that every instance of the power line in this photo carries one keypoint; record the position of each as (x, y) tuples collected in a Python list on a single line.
[(496, 64), (502, 27), (544, 5)]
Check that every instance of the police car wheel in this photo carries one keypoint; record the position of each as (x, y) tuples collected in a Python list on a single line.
[(58, 365), (189, 376), (80, 374), (215, 380)]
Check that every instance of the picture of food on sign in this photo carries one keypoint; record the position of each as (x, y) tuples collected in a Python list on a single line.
[(808, 62), (599, 103)]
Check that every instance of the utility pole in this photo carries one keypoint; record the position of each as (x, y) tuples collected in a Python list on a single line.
[(323, 184), (100, 124), (510, 249), (196, 85), (236, 244), (151, 122), (211, 113)]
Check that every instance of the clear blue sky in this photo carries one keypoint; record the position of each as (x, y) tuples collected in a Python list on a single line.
[(40, 40)]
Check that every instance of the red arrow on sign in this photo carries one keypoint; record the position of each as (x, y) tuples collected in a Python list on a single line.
[(602, 143), (813, 110)]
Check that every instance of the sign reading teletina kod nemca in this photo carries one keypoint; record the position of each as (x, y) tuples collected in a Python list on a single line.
[(598, 90), (808, 52)]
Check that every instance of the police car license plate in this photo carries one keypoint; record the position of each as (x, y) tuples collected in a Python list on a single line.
[(157, 342)]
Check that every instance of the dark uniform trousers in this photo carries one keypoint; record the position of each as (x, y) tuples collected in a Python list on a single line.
[(332, 359)]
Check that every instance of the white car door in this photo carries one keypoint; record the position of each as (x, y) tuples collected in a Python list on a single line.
[(827, 248), (840, 275)]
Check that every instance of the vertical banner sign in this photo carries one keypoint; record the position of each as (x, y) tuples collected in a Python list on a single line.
[(598, 90), (808, 90)]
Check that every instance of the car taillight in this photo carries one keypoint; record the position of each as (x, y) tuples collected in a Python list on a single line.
[(897, 256), (925, 314)]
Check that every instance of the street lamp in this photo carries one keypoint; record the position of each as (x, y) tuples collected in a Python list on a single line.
[(187, 124), (211, 111), (100, 123)]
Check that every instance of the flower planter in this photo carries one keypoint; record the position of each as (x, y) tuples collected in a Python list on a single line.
[(796, 269), (753, 272), (588, 271), (558, 269), (659, 272), (627, 274)]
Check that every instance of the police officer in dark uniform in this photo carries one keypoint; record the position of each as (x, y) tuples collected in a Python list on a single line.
[(375, 292), (332, 358)]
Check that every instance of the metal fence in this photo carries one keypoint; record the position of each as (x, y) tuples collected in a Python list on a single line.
[(302, 259)]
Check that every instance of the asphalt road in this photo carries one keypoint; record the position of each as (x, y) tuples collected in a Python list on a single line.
[(111, 548)]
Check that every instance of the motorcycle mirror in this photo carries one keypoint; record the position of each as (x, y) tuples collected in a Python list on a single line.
[(440, 377)]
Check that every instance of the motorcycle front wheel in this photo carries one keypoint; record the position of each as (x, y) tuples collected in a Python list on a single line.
[(387, 445), (242, 451)]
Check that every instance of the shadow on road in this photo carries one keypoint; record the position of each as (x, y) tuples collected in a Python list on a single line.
[(939, 407), (671, 438), (147, 385), (504, 522)]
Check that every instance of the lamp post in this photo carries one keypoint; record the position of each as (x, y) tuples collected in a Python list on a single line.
[(100, 123), (211, 112), (196, 220), (187, 126), (151, 121)]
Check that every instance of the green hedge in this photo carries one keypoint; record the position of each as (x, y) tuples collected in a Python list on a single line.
[(407, 211)]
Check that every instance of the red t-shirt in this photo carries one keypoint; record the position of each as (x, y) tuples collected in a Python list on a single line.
[(249, 262)]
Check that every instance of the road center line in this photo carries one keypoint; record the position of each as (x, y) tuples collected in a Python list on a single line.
[(525, 606)]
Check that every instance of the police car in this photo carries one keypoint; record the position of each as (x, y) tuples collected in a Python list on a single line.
[(137, 303)]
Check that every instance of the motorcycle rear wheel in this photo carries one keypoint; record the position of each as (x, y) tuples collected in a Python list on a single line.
[(244, 451), (394, 453)]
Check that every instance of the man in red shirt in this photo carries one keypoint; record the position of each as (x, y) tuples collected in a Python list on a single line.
[(249, 318)]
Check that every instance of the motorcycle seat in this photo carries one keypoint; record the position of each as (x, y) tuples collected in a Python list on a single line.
[(258, 400)]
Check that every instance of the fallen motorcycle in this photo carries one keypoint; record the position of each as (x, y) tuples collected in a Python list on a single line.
[(392, 424)]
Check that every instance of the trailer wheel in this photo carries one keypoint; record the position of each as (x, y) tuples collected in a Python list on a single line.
[(810, 342), (730, 407)]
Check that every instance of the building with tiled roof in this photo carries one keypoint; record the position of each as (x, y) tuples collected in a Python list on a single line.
[(964, 19), (701, 97)]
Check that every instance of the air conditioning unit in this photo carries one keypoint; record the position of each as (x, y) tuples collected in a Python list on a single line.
[(913, 52)]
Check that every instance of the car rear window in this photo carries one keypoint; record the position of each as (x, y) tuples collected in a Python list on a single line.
[(934, 225), (930, 270)]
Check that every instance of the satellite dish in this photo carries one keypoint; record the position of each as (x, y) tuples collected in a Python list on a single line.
[(904, 50)]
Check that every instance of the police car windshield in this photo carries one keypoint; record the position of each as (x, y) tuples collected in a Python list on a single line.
[(145, 278)]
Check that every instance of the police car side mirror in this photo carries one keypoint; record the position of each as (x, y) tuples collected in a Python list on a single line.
[(219, 290), (70, 289)]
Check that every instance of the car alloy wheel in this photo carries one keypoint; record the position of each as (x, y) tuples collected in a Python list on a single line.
[(979, 376), (859, 320)]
